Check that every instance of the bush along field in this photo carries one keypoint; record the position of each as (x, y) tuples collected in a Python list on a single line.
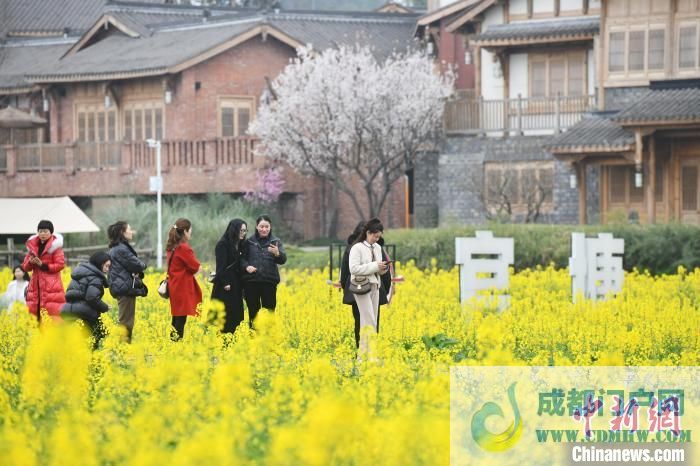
[(293, 391)]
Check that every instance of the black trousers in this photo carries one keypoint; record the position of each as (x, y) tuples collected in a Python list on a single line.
[(356, 316), (178, 324), (259, 295)]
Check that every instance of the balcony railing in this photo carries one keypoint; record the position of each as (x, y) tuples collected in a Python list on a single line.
[(126, 155), (535, 115), (41, 157)]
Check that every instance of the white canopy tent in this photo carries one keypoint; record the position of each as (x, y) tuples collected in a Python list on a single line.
[(22, 215)]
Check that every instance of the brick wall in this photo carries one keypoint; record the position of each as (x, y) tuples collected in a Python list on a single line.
[(192, 115)]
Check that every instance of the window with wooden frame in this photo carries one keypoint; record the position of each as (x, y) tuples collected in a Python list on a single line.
[(621, 188), (94, 123), (656, 47), (616, 52), (235, 115), (637, 50), (143, 120), (520, 184), (687, 46), (558, 73)]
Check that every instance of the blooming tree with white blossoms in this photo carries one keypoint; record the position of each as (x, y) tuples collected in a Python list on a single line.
[(345, 112)]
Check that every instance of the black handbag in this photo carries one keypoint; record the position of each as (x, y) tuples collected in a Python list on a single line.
[(138, 287)]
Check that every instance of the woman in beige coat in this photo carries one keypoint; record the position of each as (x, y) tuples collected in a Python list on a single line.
[(366, 260)]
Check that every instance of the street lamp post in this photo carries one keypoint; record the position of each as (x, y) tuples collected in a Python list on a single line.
[(156, 184)]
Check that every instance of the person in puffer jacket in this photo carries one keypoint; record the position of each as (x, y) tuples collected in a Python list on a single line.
[(260, 256), (85, 292), (125, 274), (45, 260)]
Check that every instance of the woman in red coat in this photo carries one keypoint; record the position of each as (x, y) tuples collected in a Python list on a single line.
[(185, 293), (45, 260)]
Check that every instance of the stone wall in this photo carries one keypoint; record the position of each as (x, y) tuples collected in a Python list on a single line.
[(448, 187)]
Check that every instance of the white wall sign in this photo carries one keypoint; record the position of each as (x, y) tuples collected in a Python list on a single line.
[(595, 265), (483, 262)]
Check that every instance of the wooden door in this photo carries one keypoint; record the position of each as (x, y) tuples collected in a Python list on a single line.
[(690, 201)]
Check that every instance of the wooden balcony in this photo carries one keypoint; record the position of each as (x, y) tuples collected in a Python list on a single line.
[(126, 156), (465, 114)]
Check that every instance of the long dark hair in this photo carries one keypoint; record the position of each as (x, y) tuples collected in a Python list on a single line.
[(356, 232), (115, 233), (176, 234), (232, 234), (372, 226), (25, 277)]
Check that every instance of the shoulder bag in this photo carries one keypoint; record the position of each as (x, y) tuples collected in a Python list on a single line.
[(163, 289), (360, 284)]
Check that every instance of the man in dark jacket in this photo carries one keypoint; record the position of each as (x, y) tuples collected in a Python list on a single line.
[(85, 292)]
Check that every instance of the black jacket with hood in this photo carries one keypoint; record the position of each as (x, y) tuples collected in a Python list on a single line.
[(85, 292)]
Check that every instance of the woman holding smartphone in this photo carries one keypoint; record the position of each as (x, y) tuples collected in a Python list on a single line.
[(365, 259), (260, 256)]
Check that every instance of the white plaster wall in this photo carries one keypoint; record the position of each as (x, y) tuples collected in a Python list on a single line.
[(543, 6), (591, 72), (594, 4), (491, 87), (517, 7), (567, 5), (518, 82)]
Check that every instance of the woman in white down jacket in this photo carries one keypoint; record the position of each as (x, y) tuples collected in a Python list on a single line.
[(366, 260)]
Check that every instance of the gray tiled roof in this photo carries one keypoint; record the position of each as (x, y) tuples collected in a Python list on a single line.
[(384, 34), (19, 58), (569, 27), (337, 5), (660, 105), (592, 132), (151, 55), (23, 17), (169, 45)]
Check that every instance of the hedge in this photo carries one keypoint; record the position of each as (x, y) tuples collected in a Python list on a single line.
[(658, 249)]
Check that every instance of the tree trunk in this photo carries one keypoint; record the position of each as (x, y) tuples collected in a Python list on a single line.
[(332, 212)]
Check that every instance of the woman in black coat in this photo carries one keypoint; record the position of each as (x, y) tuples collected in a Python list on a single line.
[(260, 256), (227, 281), (85, 292), (348, 297), (126, 273)]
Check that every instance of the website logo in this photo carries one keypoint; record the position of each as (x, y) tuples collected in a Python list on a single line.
[(502, 441)]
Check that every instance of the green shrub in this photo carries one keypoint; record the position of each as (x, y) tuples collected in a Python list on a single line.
[(658, 249)]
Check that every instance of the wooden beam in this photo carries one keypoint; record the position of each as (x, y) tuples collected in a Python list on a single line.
[(582, 193), (477, 70), (676, 185), (638, 140), (650, 190), (604, 187)]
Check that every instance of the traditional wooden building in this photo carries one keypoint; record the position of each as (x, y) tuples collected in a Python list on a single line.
[(190, 77), (645, 145)]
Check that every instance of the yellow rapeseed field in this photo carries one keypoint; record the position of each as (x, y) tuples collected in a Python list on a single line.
[(293, 393)]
